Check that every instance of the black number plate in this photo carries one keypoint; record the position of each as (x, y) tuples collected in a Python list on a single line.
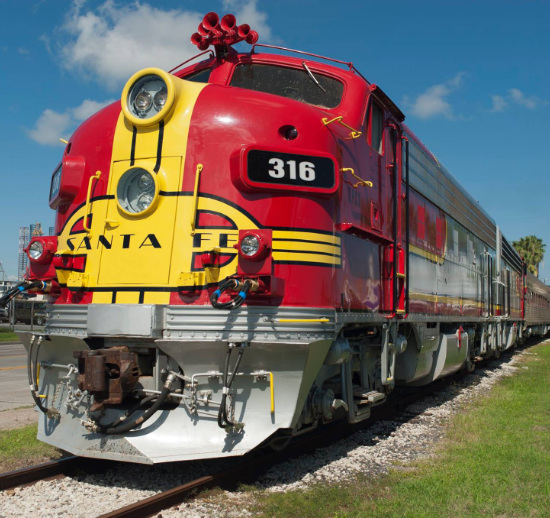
[(291, 170)]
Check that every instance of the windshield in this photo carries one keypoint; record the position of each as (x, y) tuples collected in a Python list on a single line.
[(300, 85), (202, 76)]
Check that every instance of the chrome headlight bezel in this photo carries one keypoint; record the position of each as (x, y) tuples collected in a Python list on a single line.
[(148, 84), (137, 192), (36, 251)]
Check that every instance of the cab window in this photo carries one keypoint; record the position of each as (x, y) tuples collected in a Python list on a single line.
[(301, 85), (202, 76)]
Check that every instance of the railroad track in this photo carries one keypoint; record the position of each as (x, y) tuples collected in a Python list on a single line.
[(244, 470)]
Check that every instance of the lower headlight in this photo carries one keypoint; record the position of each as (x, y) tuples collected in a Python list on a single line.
[(137, 191)]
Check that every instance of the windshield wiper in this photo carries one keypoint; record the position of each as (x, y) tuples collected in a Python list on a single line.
[(313, 77)]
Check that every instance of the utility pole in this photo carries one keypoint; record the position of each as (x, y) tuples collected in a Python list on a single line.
[(3, 273)]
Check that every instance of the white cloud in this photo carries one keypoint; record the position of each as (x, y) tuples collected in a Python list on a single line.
[(517, 97), (499, 103), (433, 102), (113, 41), (52, 125), (528, 102), (249, 14)]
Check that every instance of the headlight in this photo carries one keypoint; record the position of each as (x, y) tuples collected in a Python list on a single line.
[(140, 100), (36, 250), (148, 96), (160, 99), (250, 245), (137, 191)]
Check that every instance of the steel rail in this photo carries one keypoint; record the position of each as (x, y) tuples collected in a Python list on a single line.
[(52, 470)]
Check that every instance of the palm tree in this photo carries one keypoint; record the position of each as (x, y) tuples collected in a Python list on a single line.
[(531, 248)]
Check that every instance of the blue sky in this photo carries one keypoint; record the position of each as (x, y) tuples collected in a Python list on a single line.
[(471, 76)]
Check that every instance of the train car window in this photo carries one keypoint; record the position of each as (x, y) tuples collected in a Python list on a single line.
[(377, 127), (202, 76), (301, 85)]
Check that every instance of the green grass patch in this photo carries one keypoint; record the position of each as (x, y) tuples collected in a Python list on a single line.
[(20, 448), (495, 461), (7, 336)]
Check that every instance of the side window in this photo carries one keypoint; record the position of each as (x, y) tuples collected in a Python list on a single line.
[(377, 127)]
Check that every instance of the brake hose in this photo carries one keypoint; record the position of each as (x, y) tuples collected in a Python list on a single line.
[(31, 373), (119, 426), (235, 302)]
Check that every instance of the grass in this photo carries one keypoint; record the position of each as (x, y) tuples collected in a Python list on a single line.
[(7, 336), (495, 461), (20, 448)]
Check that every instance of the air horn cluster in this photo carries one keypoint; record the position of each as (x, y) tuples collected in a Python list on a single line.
[(213, 31)]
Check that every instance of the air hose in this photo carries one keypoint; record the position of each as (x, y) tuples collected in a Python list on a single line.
[(223, 420), (20, 288), (120, 426), (235, 302), (31, 372)]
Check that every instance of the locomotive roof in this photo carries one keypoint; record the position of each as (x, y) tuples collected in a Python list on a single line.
[(428, 176)]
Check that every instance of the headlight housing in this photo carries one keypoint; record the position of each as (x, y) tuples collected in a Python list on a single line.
[(137, 191), (252, 246), (148, 96)]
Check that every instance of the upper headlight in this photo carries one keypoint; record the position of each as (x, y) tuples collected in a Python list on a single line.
[(137, 191), (148, 96)]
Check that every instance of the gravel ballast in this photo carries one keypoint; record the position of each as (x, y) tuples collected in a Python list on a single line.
[(371, 451)]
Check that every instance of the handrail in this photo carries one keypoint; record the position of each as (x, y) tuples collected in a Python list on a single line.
[(195, 197), (365, 183), (85, 226), (354, 133)]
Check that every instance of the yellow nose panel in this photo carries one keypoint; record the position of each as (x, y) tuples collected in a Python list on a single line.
[(137, 249)]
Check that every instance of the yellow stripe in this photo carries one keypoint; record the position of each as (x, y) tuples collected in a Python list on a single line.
[(427, 255), (306, 236), (306, 247), (12, 368), (447, 300)]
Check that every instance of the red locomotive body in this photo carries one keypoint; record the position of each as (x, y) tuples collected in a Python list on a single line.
[(272, 205)]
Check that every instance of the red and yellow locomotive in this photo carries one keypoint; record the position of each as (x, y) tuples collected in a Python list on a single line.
[(251, 246)]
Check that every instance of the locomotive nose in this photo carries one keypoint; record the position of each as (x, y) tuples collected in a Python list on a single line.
[(131, 240)]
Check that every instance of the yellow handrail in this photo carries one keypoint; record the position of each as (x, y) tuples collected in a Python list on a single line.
[(271, 389), (195, 197), (85, 226), (366, 183), (354, 133)]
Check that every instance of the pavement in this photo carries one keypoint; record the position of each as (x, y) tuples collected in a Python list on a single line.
[(14, 386)]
